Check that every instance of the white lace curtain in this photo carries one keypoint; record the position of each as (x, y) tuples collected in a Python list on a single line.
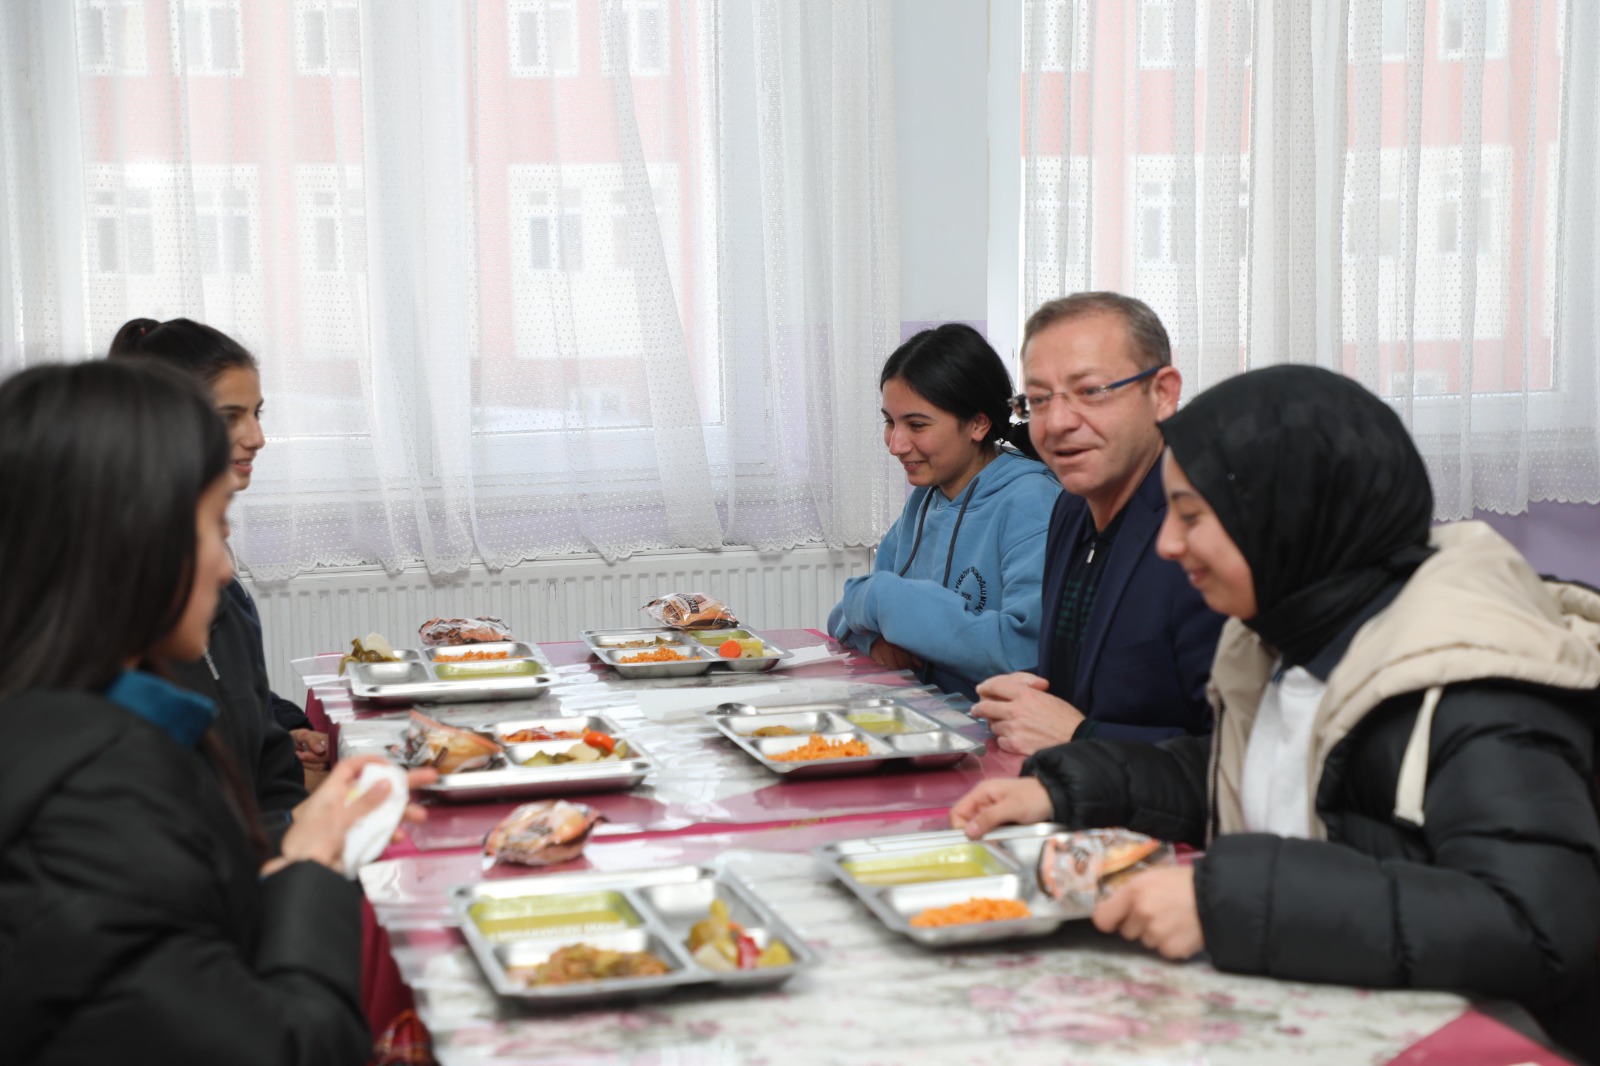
[(525, 277), (1403, 190)]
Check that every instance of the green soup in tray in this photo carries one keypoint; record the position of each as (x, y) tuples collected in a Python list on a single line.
[(943, 864), (715, 637), (482, 671)]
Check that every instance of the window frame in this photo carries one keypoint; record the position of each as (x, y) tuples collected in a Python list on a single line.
[(183, 61)]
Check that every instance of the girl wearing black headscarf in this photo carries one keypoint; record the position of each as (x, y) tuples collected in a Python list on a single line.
[(1398, 790)]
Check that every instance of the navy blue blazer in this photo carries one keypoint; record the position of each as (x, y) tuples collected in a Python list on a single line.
[(1147, 652)]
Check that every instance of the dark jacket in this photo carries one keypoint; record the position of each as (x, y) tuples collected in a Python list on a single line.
[(1491, 887), (134, 925), (288, 713), (261, 747), (1147, 651)]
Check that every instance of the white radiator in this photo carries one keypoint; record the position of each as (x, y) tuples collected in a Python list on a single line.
[(549, 600)]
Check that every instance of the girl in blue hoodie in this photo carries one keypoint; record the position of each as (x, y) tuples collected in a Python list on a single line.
[(955, 593)]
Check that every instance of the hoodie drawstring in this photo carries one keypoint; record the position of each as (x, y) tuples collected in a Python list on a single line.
[(922, 513)]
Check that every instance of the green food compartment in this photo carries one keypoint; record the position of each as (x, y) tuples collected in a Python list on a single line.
[(713, 637), (493, 668), (940, 864), (529, 917)]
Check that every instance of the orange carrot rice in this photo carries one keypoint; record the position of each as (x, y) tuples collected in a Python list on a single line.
[(817, 747), (977, 909)]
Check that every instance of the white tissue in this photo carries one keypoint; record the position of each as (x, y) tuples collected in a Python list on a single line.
[(367, 838)]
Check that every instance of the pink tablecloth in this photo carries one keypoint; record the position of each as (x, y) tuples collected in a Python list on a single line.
[(777, 816)]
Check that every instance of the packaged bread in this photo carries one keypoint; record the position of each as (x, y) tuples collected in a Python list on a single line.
[(481, 630), (690, 610), (428, 742), (541, 834), (1084, 865)]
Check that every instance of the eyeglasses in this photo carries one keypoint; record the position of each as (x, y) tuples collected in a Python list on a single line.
[(1083, 398)]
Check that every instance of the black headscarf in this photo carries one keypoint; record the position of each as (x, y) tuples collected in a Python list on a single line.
[(1319, 485)]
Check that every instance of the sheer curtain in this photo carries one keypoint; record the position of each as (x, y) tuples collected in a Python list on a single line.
[(525, 277), (1403, 190)]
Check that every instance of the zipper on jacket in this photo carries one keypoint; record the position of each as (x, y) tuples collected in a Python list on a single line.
[(1212, 826)]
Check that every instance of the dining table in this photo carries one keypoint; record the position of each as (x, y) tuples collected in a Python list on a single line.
[(1074, 996)]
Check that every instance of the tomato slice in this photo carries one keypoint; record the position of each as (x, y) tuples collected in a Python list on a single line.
[(748, 952), (600, 740)]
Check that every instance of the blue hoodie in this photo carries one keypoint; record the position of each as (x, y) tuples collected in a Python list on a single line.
[(983, 620)]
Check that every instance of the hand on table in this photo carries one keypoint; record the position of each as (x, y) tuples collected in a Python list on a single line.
[(1001, 801), (1023, 714), (893, 656), (1158, 909), (319, 824), (311, 748)]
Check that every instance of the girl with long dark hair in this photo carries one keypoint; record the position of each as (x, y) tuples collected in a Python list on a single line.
[(141, 909), (235, 671), (955, 592)]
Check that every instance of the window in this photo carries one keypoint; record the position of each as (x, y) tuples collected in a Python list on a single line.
[(225, 225), (1066, 34), (1453, 17), (333, 219), (1394, 28), (553, 229), (1378, 35), (1153, 225), (1155, 33), (645, 29), (328, 37), (207, 38), (662, 188), (122, 228), (111, 37), (543, 38), (1452, 218)]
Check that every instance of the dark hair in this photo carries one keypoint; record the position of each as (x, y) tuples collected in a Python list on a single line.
[(1150, 344), (102, 466), (195, 348), (954, 369)]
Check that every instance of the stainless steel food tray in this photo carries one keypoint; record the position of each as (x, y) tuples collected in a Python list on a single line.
[(417, 677), (563, 779), (609, 645), (522, 921), (916, 739), (898, 877)]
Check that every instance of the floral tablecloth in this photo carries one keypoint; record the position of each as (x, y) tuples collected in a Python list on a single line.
[(1076, 997)]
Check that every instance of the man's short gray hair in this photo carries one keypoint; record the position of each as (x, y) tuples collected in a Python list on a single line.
[(1150, 344)]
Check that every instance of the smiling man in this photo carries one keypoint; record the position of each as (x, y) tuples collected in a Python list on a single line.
[(1126, 644)]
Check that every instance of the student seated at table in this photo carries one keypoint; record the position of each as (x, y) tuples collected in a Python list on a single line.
[(954, 593), (1398, 791), (141, 916), (254, 718)]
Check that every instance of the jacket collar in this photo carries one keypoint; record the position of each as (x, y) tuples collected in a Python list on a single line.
[(181, 714), (1474, 611), (1140, 519)]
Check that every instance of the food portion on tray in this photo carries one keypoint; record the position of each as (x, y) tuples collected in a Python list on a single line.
[(372, 648), (843, 737), (525, 757), (645, 653), (584, 936), (471, 668), (941, 889)]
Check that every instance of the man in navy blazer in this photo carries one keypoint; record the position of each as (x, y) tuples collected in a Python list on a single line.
[(1126, 645)]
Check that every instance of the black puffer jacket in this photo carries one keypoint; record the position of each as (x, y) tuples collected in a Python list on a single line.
[(1494, 890), (134, 925), (262, 748), (1497, 894)]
